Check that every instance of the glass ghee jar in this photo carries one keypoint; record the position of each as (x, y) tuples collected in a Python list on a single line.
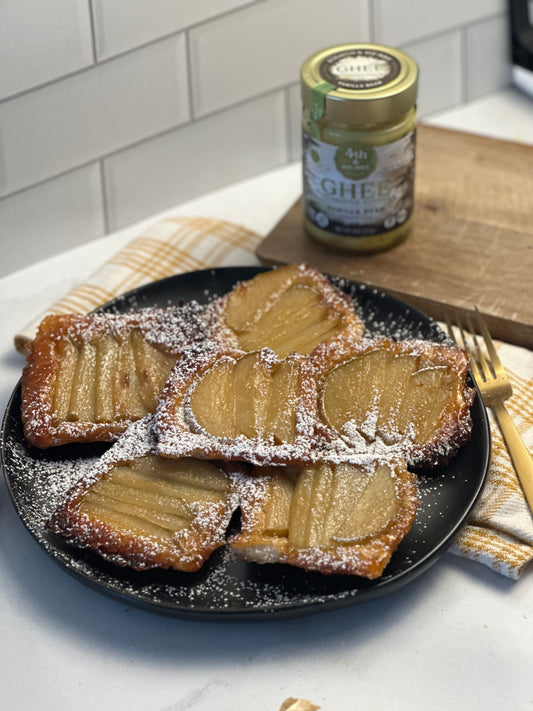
[(359, 137)]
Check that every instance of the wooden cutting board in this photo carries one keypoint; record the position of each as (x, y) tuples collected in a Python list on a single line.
[(471, 242)]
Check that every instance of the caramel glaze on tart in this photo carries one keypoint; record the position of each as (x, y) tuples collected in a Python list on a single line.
[(88, 377), (330, 518), (139, 510)]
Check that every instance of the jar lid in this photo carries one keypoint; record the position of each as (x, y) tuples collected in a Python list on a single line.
[(359, 83)]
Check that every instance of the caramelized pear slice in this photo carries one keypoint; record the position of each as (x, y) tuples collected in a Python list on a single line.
[(144, 494), (278, 503), (248, 300), (192, 473), (126, 389), (397, 378), (82, 398), (251, 385), (107, 349), (310, 506), (62, 388), (353, 390), (298, 321), (251, 396), (423, 401), (375, 504), (235, 406), (341, 503), (212, 401), (111, 507), (305, 340), (153, 368), (283, 405), (136, 491)]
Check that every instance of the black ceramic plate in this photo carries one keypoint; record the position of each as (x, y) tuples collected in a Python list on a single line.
[(228, 587)]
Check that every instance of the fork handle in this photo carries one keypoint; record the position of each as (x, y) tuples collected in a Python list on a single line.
[(520, 456)]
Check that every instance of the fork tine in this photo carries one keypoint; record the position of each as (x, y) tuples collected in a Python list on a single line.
[(494, 358), (462, 343), (485, 368), (476, 366), (449, 328)]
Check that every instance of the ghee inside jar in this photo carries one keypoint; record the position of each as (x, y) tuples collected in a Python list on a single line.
[(359, 135)]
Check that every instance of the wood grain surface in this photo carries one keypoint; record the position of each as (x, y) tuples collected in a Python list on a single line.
[(471, 242)]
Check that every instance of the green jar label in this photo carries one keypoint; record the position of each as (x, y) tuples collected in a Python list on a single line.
[(357, 189), (356, 160)]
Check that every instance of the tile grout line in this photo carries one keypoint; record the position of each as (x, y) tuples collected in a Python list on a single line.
[(93, 31), (190, 92), (105, 198), (288, 133), (464, 66), (372, 15)]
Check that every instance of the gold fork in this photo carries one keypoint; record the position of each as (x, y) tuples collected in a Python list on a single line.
[(495, 388)]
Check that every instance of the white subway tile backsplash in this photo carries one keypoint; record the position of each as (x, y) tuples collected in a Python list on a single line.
[(121, 25), (41, 40), (166, 100), (440, 63), (400, 21), (103, 109), (196, 158), (488, 63), (261, 47), (51, 217)]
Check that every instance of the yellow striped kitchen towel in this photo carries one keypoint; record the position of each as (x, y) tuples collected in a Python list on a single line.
[(499, 532), (170, 246)]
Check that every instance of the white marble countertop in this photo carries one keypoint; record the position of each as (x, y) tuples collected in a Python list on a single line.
[(456, 637)]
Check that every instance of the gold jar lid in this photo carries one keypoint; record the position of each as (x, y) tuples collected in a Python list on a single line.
[(359, 83)]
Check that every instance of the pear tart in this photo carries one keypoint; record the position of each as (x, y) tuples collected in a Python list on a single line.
[(406, 397), (138, 510), (232, 405), (331, 518), (289, 309), (88, 377)]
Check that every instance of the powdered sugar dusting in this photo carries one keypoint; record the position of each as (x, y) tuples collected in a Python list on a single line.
[(228, 587)]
